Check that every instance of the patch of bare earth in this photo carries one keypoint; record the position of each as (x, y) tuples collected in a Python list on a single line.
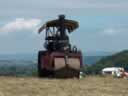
[(89, 86)]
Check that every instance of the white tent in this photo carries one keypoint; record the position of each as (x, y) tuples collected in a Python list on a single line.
[(112, 71)]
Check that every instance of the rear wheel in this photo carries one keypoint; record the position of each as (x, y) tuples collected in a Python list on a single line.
[(39, 64), (42, 72)]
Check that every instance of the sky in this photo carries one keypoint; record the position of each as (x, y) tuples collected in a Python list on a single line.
[(103, 24)]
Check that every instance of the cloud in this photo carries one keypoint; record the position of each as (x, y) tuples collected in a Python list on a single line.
[(110, 31), (20, 24), (114, 31)]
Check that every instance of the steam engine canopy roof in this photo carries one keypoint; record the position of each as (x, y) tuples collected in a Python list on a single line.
[(70, 25)]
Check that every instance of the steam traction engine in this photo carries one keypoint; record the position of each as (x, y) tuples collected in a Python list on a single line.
[(60, 59)]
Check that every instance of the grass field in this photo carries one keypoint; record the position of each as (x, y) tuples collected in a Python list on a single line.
[(89, 86)]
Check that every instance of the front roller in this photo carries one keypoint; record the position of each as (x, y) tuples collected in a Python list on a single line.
[(57, 66)]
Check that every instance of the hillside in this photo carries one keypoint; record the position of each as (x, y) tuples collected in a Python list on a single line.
[(116, 60)]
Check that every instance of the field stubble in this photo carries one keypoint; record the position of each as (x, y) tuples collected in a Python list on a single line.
[(89, 86)]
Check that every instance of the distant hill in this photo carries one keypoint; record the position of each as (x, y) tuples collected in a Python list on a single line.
[(90, 60), (26, 63), (17, 68), (91, 57), (98, 53), (116, 60)]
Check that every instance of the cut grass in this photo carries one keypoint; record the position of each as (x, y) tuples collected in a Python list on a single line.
[(89, 86)]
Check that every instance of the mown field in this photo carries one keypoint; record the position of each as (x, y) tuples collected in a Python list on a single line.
[(89, 86)]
